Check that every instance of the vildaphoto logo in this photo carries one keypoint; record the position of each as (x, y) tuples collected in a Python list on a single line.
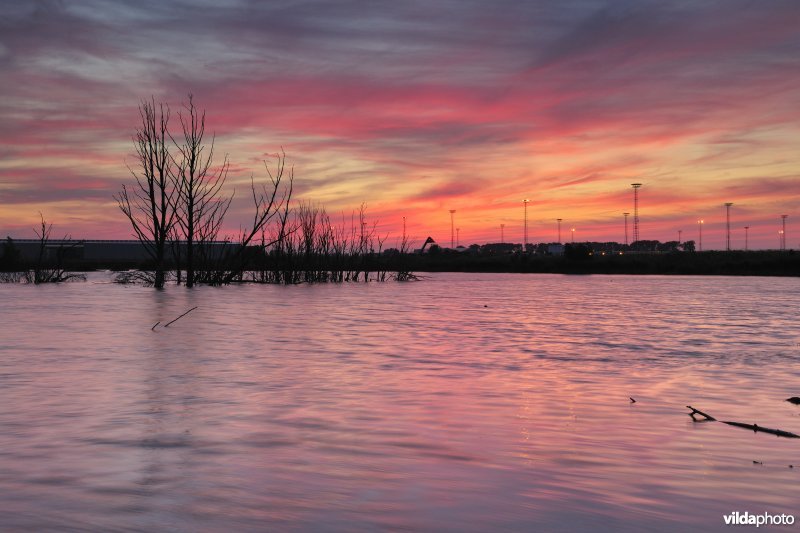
[(765, 519)]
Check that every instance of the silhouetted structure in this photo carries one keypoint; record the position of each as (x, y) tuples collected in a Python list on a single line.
[(525, 237), (728, 225), (700, 229), (452, 234), (783, 232), (636, 210)]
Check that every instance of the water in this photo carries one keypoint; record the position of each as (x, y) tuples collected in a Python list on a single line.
[(464, 402)]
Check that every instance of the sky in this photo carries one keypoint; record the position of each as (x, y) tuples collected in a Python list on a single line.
[(415, 108)]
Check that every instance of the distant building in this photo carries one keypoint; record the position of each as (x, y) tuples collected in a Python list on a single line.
[(99, 251), (499, 248)]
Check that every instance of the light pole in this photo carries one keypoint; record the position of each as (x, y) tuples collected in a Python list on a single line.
[(502, 233), (452, 233), (573, 235), (700, 227), (636, 210), (680, 231), (626, 228), (746, 232), (783, 232), (559, 230), (728, 225), (458, 238), (525, 235)]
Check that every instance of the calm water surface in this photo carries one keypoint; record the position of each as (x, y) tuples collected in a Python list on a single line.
[(463, 402)]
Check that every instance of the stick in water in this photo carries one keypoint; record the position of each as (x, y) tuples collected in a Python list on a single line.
[(154, 325), (754, 427), (183, 315)]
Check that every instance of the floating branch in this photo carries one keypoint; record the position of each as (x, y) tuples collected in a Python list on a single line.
[(183, 315), (755, 427), (701, 413), (154, 325), (794, 399)]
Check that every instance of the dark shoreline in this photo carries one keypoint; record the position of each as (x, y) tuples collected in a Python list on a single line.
[(719, 263), (715, 263)]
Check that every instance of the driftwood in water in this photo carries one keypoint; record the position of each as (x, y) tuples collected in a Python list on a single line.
[(754, 427), (794, 399), (701, 413), (170, 322), (183, 315)]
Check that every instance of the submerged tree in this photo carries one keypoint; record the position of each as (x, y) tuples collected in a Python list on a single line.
[(149, 205), (49, 264), (200, 208), (177, 206)]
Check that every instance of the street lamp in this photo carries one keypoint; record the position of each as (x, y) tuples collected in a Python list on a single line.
[(573, 235), (700, 227), (452, 234), (783, 232), (728, 225), (525, 236)]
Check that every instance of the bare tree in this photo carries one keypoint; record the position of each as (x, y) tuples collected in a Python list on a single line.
[(271, 201), (150, 203), (199, 207), (49, 264)]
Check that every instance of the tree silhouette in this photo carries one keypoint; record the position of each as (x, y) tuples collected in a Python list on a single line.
[(149, 205), (200, 209)]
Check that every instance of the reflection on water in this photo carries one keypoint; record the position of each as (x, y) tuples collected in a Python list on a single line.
[(464, 402)]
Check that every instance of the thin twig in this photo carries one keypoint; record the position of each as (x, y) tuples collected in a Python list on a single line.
[(154, 325), (183, 315)]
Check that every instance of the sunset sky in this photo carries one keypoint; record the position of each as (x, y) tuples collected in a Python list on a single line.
[(415, 108)]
